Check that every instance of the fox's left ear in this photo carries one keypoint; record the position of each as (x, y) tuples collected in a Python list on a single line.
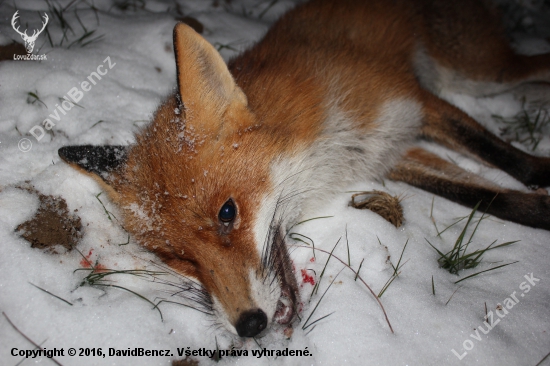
[(205, 84), (103, 163)]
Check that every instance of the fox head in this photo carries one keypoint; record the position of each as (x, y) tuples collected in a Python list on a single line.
[(193, 190)]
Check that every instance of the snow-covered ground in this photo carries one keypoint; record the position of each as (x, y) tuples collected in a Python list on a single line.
[(445, 328)]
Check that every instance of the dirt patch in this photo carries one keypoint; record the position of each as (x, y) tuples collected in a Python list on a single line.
[(52, 225), (7, 51), (185, 362)]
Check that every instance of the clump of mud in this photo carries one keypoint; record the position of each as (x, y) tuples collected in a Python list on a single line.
[(7, 51), (52, 225), (382, 203), (185, 362)]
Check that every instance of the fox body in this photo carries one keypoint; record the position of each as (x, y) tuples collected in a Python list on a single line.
[(335, 92)]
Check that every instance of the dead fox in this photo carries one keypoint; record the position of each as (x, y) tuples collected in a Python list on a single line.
[(335, 92)]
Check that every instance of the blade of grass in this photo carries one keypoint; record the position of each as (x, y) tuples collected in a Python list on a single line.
[(364, 283), (453, 295), (432, 216), (318, 320), (49, 293), (216, 356), (359, 269), (135, 293), (182, 304), (316, 287), (70, 101), (453, 224), (487, 270), (28, 339), (304, 221), (305, 326), (400, 257), (25, 358), (295, 236), (395, 270), (37, 98), (106, 212), (544, 358), (127, 241), (347, 244), (311, 330)]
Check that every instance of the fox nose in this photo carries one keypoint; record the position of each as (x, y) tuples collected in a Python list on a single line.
[(251, 323)]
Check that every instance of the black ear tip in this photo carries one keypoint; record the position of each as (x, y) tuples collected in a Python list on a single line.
[(70, 154), (94, 159)]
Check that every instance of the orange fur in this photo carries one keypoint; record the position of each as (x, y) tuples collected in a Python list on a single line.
[(355, 78)]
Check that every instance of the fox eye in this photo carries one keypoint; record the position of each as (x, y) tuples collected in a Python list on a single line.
[(227, 212)]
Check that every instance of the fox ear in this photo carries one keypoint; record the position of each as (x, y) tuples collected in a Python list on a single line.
[(204, 82), (102, 162)]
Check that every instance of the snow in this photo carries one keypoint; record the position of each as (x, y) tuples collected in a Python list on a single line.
[(427, 327)]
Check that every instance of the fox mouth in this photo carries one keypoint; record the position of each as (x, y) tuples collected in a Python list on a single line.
[(282, 264), (285, 306)]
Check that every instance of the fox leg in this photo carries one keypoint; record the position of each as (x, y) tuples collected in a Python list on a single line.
[(472, 55), (429, 172), (463, 48), (506, 74), (449, 126)]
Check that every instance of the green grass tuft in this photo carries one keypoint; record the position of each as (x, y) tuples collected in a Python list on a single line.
[(66, 17), (100, 278), (458, 258)]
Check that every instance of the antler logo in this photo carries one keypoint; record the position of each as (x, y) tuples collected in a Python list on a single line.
[(29, 40)]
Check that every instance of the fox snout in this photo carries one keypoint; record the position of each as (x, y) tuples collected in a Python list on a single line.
[(251, 323), (251, 289), (244, 296)]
